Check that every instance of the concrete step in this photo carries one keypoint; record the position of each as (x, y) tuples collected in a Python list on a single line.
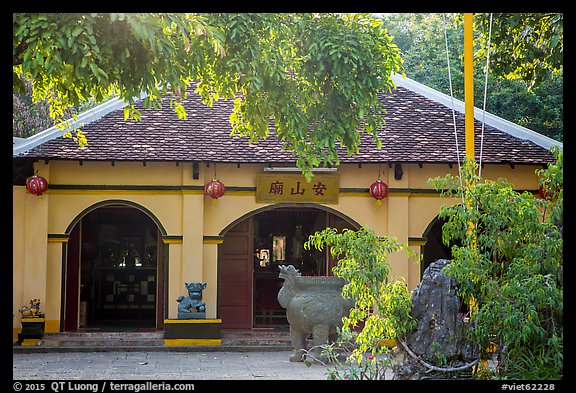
[(103, 339), (249, 340), (256, 338)]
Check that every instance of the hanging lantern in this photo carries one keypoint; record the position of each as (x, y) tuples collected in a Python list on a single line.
[(379, 191), (546, 194), (215, 189), (36, 185), (542, 193)]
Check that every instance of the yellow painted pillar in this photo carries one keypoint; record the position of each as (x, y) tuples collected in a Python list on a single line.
[(192, 255), (398, 223), (193, 233), (192, 229), (210, 294), (469, 84), (469, 104), (51, 307), (398, 227), (175, 286)]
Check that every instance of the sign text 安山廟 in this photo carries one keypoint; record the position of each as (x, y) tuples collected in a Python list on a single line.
[(292, 187)]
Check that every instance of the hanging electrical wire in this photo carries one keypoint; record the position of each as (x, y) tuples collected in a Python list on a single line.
[(452, 103), (485, 95)]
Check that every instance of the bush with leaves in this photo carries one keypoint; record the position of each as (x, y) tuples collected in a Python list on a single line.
[(382, 306), (343, 361), (508, 268), (337, 356)]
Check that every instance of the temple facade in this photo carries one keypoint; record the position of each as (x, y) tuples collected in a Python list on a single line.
[(126, 222)]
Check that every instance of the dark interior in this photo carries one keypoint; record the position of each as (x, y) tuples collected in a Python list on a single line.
[(118, 269)]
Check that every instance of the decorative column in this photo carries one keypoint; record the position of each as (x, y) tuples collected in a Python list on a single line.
[(398, 220), (192, 232), (211, 245), (52, 305)]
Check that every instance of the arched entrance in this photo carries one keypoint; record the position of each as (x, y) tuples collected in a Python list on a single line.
[(254, 246), (434, 248), (114, 270)]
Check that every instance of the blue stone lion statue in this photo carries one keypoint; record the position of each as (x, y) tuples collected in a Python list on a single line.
[(192, 306)]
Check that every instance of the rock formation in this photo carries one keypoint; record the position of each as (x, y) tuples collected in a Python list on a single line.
[(439, 343)]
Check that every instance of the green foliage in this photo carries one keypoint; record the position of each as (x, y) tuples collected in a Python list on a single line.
[(371, 369), (438, 357), (540, 364), (525, 46), (420, 37), (540, 109), (552, 182), (382, 306), (508, 266), (29, 118), (315, 77), (342, 365)]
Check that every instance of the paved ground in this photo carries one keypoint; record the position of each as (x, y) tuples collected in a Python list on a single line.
[(163, 366)]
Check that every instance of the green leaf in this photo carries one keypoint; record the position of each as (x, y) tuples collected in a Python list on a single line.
[(180, 111), (76, 32)]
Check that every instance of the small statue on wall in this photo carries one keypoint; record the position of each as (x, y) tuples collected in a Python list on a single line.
[(192, 306), (33, 311)]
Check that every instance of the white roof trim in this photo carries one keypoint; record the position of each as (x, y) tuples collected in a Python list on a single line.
[(489, 119), (22, 145)]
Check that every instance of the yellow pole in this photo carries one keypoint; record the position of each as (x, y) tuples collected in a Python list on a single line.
[(469, 95), (469, 85), (469, 116)]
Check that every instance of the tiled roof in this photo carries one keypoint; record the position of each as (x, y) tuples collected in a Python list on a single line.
[(417, 129)]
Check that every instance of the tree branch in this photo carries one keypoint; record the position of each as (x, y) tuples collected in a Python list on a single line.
[(432, 367), (16, 60)]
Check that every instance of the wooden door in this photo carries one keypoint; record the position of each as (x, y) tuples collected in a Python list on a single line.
[(235, 277)]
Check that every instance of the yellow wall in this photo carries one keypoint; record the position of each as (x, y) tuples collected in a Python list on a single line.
[(18, 252), (184, 211)]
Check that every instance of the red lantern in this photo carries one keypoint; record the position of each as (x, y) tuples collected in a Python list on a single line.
[(215, 189), (541, 193), (36, 185), (379, 190), (546, 194)]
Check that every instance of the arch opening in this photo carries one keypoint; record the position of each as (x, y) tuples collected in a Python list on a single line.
[(114, 270), (434, 248), (253, 248)]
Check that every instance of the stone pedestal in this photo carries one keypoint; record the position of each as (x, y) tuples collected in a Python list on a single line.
[(190, 332), (191, 315), (32, 331)]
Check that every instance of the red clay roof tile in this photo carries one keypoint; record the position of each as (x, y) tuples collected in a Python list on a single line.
[(417, 129)]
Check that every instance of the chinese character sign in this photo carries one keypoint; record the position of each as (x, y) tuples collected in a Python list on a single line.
[(291, 187)]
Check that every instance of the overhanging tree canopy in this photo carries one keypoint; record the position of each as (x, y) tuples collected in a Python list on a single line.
[(315, 77)]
